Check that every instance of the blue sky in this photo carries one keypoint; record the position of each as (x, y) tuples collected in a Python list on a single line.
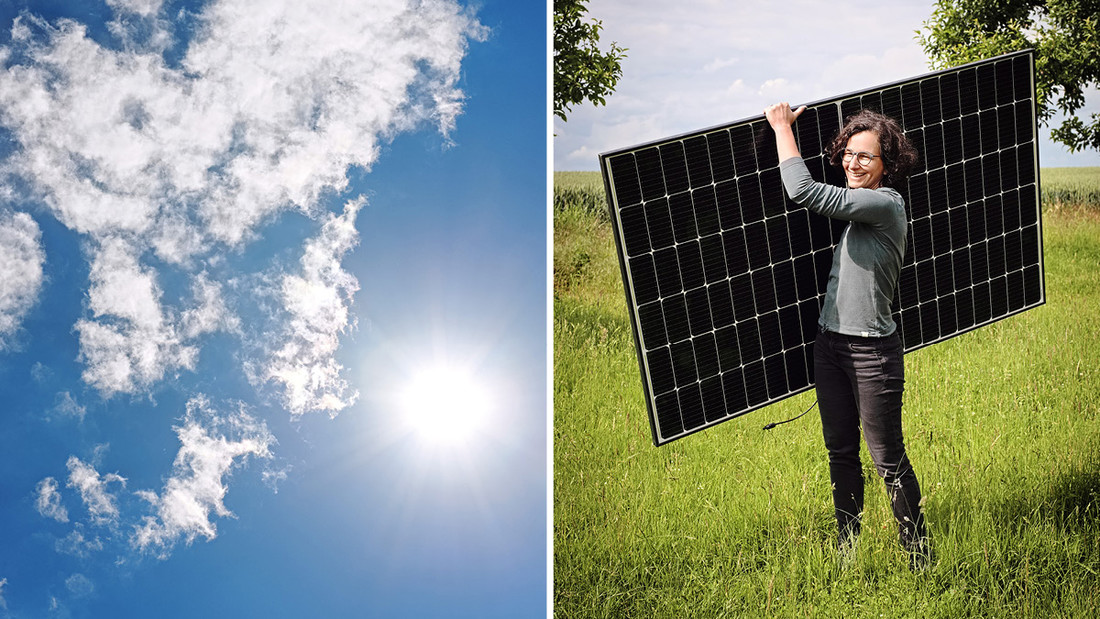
[(709, 63), (237, 244)]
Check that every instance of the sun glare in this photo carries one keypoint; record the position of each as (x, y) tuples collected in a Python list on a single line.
[(445, 405)]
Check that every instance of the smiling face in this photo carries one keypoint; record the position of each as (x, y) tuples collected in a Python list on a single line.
[(867, 176)]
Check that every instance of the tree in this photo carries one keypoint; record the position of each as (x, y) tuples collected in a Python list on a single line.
[(581, 70), (1063, 33)]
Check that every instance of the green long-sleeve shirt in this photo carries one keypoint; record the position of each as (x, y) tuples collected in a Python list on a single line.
[(868, 258)]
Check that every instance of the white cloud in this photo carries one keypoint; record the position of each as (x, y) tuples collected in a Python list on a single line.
[(173, 166), (48, 500), (77, 545), (276, 102), (210, 314), (3, 602), (273, 477), (132, 340), (623, 132), (140, 7), (317, 303), (21, 259), (718, 64), (773, 88), (121, 287), (67, 406), (861, 69), (101, 504), (210, 446), (129, 343), (79, 585), (737, 88), (40, 373)]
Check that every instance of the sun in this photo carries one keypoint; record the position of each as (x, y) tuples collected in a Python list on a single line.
[(445, 405)]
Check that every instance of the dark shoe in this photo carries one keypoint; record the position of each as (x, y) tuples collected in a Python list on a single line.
[(920, 554), (917, 543), (846, 550)]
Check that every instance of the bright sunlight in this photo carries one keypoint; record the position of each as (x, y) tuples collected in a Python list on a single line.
[(445, 405)]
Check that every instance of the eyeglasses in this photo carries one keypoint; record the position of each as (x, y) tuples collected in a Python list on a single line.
[(864, 158)]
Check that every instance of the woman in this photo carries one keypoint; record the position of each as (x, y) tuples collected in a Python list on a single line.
[(858, 366)]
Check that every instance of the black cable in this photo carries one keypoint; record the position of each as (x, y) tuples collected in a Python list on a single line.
[(777, 423)]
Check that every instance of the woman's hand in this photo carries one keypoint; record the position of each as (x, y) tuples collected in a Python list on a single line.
[(781, 115)]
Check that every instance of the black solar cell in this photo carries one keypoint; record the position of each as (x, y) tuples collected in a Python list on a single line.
[(725, 277)]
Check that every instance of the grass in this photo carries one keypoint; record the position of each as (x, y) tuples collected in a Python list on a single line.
[(1070, 186), (1002, 426), (580, 191)]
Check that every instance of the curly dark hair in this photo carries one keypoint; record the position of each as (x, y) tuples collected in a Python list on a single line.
[(899, 156)]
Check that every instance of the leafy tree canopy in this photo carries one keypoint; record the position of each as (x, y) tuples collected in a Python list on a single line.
[(581, 70), (1063, 33)]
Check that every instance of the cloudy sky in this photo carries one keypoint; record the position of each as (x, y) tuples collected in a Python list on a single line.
[(272, 308), (710, 62)]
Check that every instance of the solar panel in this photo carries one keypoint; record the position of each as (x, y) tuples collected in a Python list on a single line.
[(725, 277)]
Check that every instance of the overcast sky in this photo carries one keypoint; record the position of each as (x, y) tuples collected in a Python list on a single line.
[(700, 63)]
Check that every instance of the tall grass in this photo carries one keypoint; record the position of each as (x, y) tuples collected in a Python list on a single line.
[(580, 191), (1002, 426), (1070, 187)]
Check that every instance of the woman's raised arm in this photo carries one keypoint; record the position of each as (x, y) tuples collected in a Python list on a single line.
[(781, 117)]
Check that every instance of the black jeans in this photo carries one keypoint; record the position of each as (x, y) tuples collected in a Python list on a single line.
[(859, 383)]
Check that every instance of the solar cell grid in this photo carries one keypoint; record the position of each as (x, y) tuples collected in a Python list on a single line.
[(725, 277)]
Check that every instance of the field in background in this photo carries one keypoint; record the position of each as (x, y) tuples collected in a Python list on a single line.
[(1002, 425), (1070, 187)]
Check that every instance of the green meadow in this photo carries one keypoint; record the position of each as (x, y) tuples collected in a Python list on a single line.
[(1002, 426)]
